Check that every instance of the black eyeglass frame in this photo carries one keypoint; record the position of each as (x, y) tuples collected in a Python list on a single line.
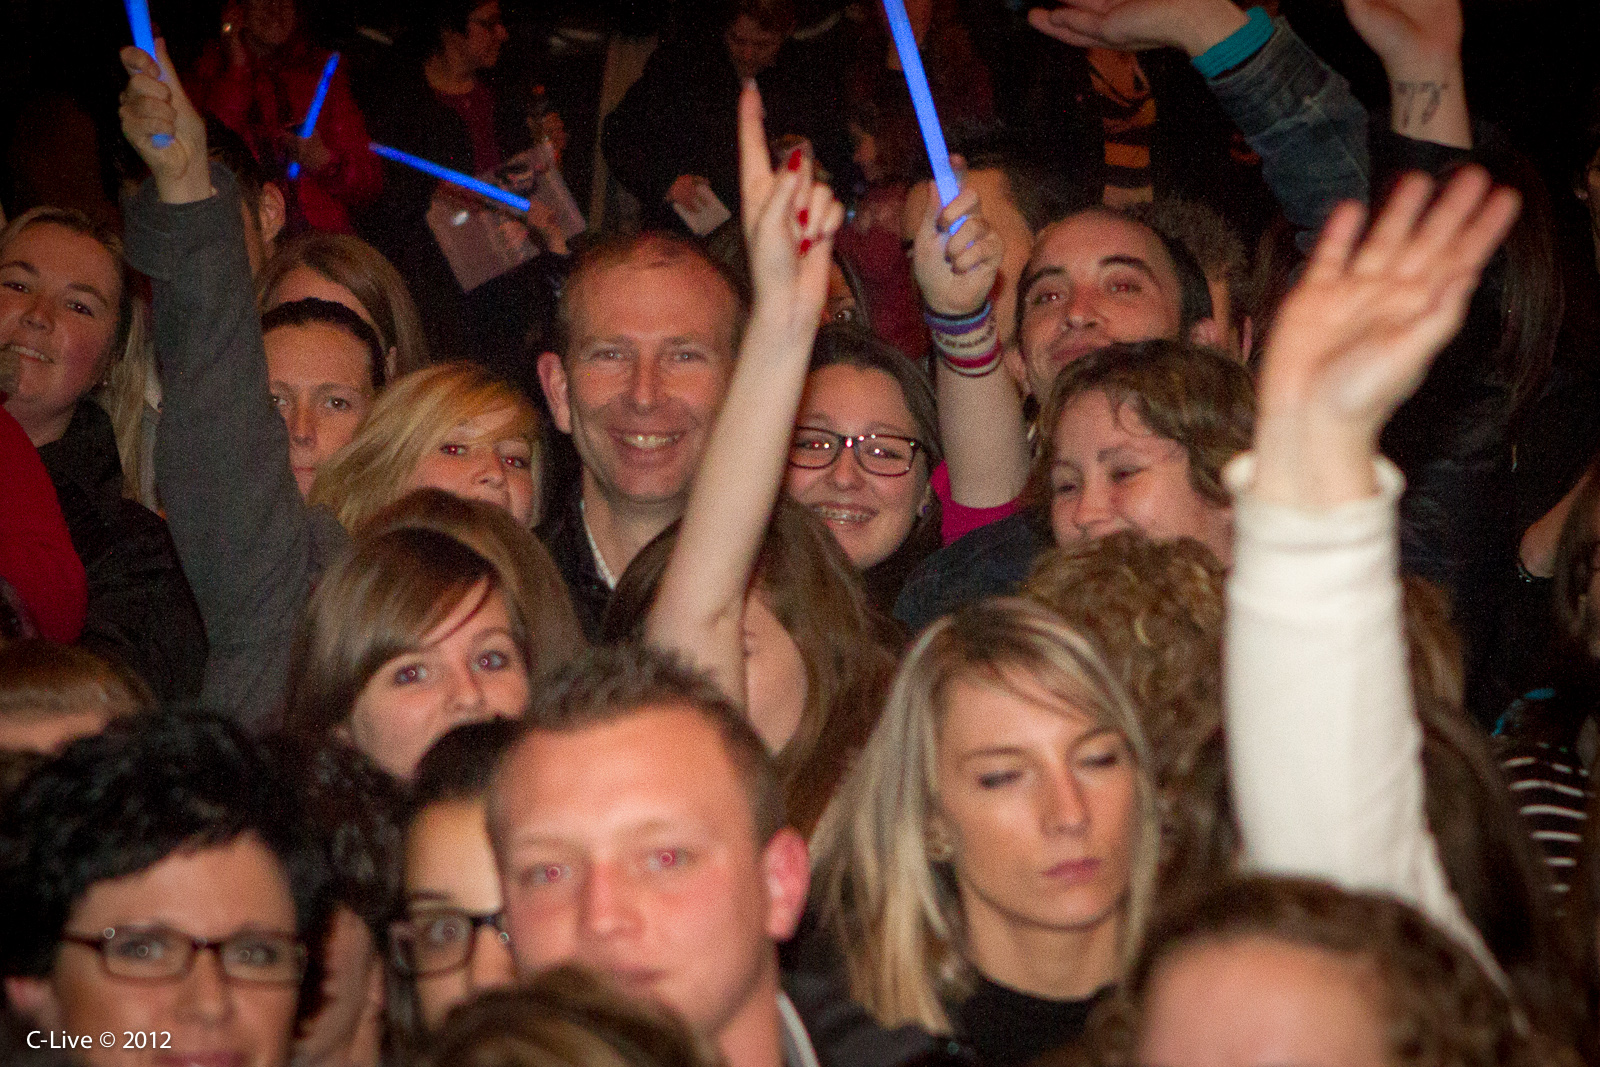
[(852, 443), (102, 942), (405, 930)]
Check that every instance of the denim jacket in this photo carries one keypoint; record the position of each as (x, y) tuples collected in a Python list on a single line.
[(1300, 117)]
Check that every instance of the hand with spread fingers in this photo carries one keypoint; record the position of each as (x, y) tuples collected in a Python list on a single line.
[(956, 271), (1354, 339), (154, 103)]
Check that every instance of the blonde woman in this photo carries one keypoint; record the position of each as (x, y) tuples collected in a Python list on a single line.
[(452, 426), (988, 866)]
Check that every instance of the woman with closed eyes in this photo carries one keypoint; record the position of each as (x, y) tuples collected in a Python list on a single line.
[(987, 868)]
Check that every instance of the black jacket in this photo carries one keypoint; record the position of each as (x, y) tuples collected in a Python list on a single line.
[(564, 537), (141, 612), (682, 117)]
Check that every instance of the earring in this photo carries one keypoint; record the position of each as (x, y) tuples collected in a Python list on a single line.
[(938, 845)]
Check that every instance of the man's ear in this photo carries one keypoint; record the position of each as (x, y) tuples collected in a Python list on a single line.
[(786, 865), (1206, 332), (272, 214), (36, 999), (1016, 366), (553, 377)]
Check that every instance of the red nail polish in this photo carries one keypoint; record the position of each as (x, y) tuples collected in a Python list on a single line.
[(803, 216), (795, 155), (805, 245)]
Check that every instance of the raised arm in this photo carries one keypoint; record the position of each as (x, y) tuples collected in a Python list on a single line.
[(1324, 746), (246, 539), (1295, 111), (789, 224), (980, 405), (1419, 42)]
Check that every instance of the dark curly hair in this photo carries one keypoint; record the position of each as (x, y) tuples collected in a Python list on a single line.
[(1439, 1008), (120, 802)]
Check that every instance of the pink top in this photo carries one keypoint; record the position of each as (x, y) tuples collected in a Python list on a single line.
[(958, 520)]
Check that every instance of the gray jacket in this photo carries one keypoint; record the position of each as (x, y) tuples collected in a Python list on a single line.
[(250, 546)]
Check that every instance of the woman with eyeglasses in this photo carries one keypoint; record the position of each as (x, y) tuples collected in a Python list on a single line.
[(159, 883), (449, 946), (762, 600), (865, 398)]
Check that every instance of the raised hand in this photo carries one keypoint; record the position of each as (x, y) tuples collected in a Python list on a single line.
[(955, 271), (153, 103), (1419, 42), (1408, 34), (1135, 25), (1355, 337), (789, 223)]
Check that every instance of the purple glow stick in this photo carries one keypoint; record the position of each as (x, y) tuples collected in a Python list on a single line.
[(905, 42), (454, 177), (144, 39), (309, 126)]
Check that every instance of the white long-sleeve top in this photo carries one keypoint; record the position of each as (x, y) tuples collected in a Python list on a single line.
[(1324, 745)]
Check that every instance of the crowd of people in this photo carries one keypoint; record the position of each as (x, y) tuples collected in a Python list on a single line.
[(1139, 611)]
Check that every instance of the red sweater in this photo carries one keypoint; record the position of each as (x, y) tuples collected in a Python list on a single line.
[(36, 554), (265, 100)]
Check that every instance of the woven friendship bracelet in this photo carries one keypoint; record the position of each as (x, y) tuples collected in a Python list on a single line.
[(968, 344), (1237, 47), (973, 367), (948, 325)]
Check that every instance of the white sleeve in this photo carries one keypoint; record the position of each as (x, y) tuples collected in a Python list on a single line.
[(1324, 746)]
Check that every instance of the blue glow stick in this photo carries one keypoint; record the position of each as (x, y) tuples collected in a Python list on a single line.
[(309, 126), (905, 42), (144, 38), (454, 177)]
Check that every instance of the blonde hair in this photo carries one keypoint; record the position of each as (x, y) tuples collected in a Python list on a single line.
[(895, 911), (349, 261), (410, 419), (131, 353)]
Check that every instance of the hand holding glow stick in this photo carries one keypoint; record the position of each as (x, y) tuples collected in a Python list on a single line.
[(309, 126), (454, 177), (144, 38)]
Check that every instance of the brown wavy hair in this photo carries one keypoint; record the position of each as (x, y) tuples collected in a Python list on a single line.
[(565, 1017), (1438, 1006), (1198, 397), (817, 595), (408, 569)]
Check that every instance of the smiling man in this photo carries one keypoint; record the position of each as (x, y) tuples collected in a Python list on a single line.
[(676, 885), (648, 327)]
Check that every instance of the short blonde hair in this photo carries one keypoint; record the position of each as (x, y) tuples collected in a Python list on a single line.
[(411, 418), (895, 911)]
